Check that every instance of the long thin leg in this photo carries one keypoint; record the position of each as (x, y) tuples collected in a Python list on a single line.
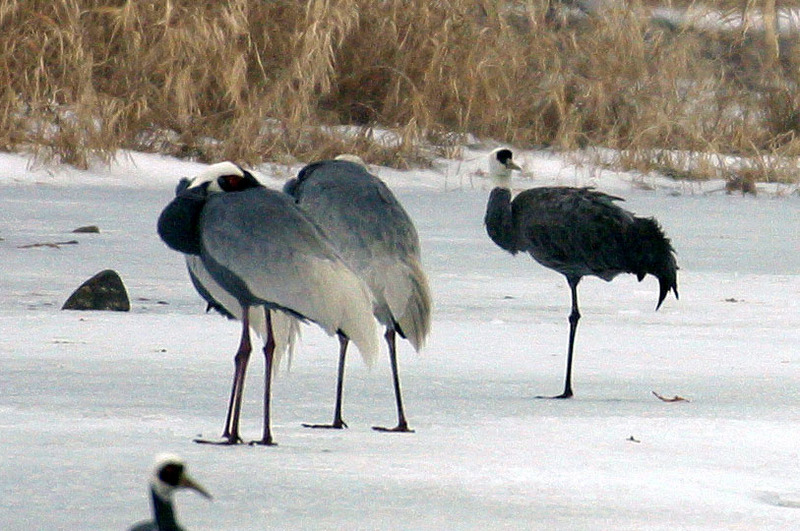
[(402, 425), (269, 354), (230, 434), (245, 348), (574, 317), (337, 423)]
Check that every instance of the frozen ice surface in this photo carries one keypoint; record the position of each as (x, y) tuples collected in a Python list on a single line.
[(87, 399)]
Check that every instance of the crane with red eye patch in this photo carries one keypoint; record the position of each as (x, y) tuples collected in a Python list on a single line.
[(263, 252)]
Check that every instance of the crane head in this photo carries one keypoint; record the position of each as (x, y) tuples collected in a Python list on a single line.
[(169, 474), (224, 177), (501, 163)]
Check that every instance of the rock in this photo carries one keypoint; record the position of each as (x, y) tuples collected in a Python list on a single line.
[(104, 291), (88, 229)]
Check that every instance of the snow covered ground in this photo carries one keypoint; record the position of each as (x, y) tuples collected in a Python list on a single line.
[(88, 399)]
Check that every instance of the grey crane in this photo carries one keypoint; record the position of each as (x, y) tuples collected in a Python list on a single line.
[(169, 474), (263, 251), (377, 239), (286, 329), (577, 232)]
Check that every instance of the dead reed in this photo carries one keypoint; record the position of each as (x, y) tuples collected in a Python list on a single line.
[(285, 80)]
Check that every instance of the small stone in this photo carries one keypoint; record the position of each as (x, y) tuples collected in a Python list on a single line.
[(88, 229), (104, 291)]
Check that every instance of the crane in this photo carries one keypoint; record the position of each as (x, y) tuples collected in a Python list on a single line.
[(285, 328), (169, 474), (577, 232), (263, 251), (375, 237)]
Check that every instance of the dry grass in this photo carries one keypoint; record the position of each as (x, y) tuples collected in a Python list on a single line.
[(254, 81)]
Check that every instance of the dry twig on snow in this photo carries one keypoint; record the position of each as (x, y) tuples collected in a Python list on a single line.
[(675, 398)]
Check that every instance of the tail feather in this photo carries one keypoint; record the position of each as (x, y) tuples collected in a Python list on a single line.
[(343, 304), (413, 314), (653, 254), (285, 332)]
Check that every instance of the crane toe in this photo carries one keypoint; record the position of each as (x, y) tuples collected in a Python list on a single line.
[(400, 428), (338, 425), (226, 441)]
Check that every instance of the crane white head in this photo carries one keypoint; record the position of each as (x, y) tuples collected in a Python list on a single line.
[(169, 474), (501, 163), (349, 157), (224, 177)]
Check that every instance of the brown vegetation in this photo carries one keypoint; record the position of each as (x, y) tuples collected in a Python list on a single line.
[(252, 81)]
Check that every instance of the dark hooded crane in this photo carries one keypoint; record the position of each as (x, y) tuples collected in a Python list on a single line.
[(260, 248), (577, 232), (375, 237), (169, 475)]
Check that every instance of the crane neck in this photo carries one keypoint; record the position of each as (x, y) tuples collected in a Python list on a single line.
[(163, 512), (501, 178), (499, 219), (177, 224)]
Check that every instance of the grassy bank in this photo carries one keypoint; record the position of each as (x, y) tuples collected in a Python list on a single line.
[(251, 81)]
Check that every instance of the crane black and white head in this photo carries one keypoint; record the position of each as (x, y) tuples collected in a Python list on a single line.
[(501, 164), (177, 224), (169, 474), (224, 177), (355, 159)]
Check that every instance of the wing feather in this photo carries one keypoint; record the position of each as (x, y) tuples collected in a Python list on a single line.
[(260, 246), (285, 328)]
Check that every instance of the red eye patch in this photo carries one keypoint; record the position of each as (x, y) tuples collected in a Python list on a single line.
[(232, 183)]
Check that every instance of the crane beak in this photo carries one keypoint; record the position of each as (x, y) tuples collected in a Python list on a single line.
[(511, 165), (188, 483)]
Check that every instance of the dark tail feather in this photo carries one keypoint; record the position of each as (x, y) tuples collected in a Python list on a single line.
[(664, 287), (653, 254)]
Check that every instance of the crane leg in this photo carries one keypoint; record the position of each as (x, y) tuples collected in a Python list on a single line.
[(230, 434), (574, 317), (269, 354), (337, 423), (402, 425)]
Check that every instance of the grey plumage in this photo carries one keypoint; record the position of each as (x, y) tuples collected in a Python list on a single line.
[(169, 474), (580, 232), (375, 236), (262, 250), (286, 330), (577, 232)]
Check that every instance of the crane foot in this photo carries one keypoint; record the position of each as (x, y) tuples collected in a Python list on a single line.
[(396, 429), (334, 426), (566, 394), (263, 442), (227, 441)]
